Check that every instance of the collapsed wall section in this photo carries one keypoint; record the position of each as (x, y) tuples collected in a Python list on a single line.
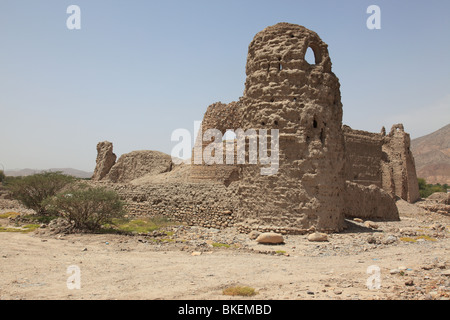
[(369, 202), (130, 166), (398, 167), (106, 159), (137, 164), (207, 164)]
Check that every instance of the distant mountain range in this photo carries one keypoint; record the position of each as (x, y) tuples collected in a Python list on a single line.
[(432, 156), (69, 171)]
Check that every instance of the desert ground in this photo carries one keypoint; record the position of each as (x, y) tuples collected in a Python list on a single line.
[(198, 263)]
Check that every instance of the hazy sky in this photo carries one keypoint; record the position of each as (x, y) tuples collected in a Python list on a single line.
[(138, 70)]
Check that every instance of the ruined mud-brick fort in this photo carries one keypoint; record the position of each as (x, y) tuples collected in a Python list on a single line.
[(327, 171)]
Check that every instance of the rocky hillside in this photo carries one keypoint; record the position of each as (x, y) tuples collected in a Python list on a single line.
[(432, 156)]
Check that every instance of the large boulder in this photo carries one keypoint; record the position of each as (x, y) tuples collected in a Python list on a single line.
[(270, 238)]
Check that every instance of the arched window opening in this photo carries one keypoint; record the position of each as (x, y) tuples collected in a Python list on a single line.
[(310, 57), (313, 55)]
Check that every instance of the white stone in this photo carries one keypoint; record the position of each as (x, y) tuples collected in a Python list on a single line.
[(317, 236), (270, 238)]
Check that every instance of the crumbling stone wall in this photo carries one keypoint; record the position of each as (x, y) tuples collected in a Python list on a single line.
[(130, 166), (383, 160), (360, 203), (363, 153), (137, 164), (398, 167), (325, 172), (221, 117), (105, 160), (283, 91), (204, 204)]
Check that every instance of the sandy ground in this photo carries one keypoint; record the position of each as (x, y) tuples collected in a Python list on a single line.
[(35, 265)]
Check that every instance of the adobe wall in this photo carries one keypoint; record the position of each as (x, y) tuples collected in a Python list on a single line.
[(326, 171), (369, 202), (203, 204), (136, 164), (398, 167), (221, 117), (363, 153), (130, 166), (283, 91), (383, 160), (106, 159)]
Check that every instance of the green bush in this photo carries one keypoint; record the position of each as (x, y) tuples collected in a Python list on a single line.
[(32, 190), (2, 176), (426, 190), (9, 179), (87, 208)]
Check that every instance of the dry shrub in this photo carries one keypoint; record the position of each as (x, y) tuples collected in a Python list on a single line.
[(239, 291), (87, 208)]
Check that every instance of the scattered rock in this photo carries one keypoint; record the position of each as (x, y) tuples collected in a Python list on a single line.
[(371, 224), (437, 227), (318, 237), (59, 225), (446, 273), (196, 253), (432, 295), (409, 282), (270, 238), (358, 220), (394, 271), (408, 232), (254, 234), (373, 240), (389, 239)]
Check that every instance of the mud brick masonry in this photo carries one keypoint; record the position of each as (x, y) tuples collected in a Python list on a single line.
[(327, 171)]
